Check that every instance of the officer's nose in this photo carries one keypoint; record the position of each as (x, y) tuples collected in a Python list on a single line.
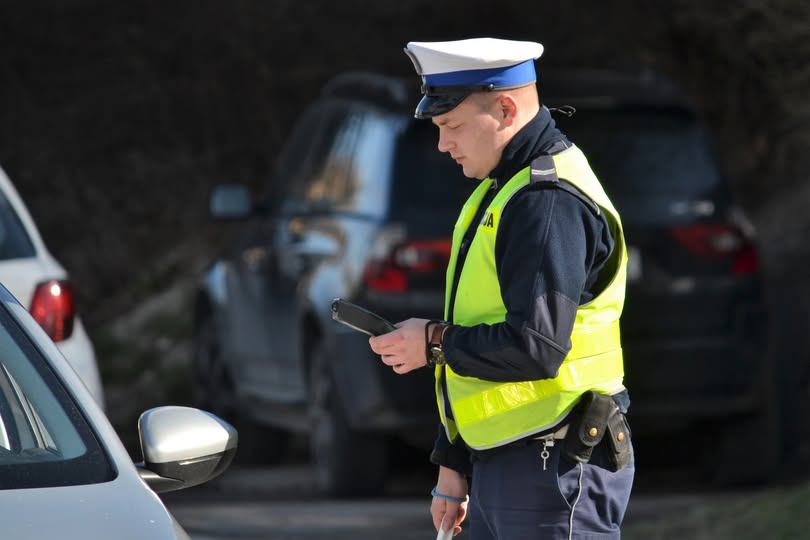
[(445, 144)]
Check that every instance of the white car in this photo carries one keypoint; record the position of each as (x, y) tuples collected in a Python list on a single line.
[(40, 283), (64, 473)]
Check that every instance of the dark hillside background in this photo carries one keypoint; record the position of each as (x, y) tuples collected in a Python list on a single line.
[(117, 117)]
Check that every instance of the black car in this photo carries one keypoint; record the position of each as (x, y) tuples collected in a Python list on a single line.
[(361, 206), (693, 323)]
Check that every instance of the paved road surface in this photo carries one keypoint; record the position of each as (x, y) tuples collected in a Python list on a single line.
[(279, 504), (300, 520), (276, 503)]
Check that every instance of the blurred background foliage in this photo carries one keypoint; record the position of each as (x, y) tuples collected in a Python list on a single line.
[(116, 118)]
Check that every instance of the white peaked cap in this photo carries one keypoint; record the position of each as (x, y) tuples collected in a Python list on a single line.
[(471, 54), (452, 70)]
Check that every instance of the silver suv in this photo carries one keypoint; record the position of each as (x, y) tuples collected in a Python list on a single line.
[(362, 205)]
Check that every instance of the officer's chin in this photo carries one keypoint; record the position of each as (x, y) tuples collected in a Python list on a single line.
[(470, 173)]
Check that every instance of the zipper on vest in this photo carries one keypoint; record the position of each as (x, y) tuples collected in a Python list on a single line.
[(466, 241)]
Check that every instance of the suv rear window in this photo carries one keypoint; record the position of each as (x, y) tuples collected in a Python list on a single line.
[(14, 240), (429, 187), (656, 164)]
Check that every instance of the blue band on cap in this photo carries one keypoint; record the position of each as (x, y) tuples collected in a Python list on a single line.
[(522, 73)]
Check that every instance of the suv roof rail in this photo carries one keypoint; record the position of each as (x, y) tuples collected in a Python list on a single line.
[(383, 90), (610, 87)]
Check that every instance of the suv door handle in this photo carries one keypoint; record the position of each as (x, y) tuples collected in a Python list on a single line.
[(254, 258), (316, 244)]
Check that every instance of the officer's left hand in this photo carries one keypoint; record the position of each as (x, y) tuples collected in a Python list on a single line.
[(404, 348)]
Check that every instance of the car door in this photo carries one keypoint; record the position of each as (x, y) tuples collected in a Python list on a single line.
[(276, 268)]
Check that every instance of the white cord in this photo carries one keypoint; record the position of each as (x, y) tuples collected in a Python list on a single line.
[(573, 506)]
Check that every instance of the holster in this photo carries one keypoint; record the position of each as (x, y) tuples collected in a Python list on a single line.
[(594, 416)]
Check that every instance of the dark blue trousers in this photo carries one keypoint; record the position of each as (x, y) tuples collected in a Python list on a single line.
[(513, 498)]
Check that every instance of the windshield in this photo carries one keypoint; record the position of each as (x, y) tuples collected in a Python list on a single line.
[(44, 439), (14, 241)]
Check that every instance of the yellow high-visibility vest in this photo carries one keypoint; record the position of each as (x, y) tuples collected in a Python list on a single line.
[(488, 414)]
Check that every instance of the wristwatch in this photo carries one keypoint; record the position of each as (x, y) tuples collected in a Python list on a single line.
[(436, 356)]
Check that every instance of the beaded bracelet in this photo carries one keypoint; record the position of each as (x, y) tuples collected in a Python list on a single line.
[(435, 493)]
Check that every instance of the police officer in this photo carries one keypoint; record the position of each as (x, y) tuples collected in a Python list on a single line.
[(528, 360)]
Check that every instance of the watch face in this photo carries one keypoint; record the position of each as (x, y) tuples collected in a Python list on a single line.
[(437, 355)]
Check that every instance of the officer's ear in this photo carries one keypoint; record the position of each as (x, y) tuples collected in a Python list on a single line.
[(506, 109)]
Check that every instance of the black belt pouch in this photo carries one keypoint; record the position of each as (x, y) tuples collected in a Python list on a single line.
[(593, 417)]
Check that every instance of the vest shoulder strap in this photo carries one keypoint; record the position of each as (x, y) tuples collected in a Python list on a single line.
[(544, 175)]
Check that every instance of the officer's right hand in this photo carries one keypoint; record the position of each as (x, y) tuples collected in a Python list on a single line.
[(449, 514), (404, 348)]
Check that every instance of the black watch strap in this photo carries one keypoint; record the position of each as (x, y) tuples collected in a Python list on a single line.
[(437, 334), (434, 355)]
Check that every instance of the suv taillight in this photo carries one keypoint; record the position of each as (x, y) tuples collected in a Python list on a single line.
[(392, 271), (719, 242), (53, 307)]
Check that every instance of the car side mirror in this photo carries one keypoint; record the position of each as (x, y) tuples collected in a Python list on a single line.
[(183, 447), (230, 201)]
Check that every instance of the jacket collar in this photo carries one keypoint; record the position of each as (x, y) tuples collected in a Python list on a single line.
[(537, 137)]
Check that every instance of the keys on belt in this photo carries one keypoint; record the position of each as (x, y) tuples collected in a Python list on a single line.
[(548, 442)]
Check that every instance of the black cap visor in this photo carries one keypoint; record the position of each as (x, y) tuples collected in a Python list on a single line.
[(442, 99), (438, 104)]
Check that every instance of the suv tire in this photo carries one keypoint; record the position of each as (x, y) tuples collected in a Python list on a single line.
[(347, 462), (748, 448), (212, 390)]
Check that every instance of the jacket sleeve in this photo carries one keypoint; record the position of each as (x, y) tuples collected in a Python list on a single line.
[(550, 251), (453, 456)]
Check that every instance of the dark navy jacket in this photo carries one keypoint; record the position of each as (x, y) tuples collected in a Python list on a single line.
[(552, 253)]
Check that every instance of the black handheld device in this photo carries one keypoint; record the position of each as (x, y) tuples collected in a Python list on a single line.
[(359, 318)]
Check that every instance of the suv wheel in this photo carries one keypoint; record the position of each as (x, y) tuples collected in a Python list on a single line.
[(747, 450), (213, 391), (346, 462)]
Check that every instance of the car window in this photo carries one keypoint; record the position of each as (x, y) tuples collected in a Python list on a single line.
[(293, 157), (657, 165), (429, 187), (368, 162), (333, 183), (305, 160), (14, 240), (44, 439)]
